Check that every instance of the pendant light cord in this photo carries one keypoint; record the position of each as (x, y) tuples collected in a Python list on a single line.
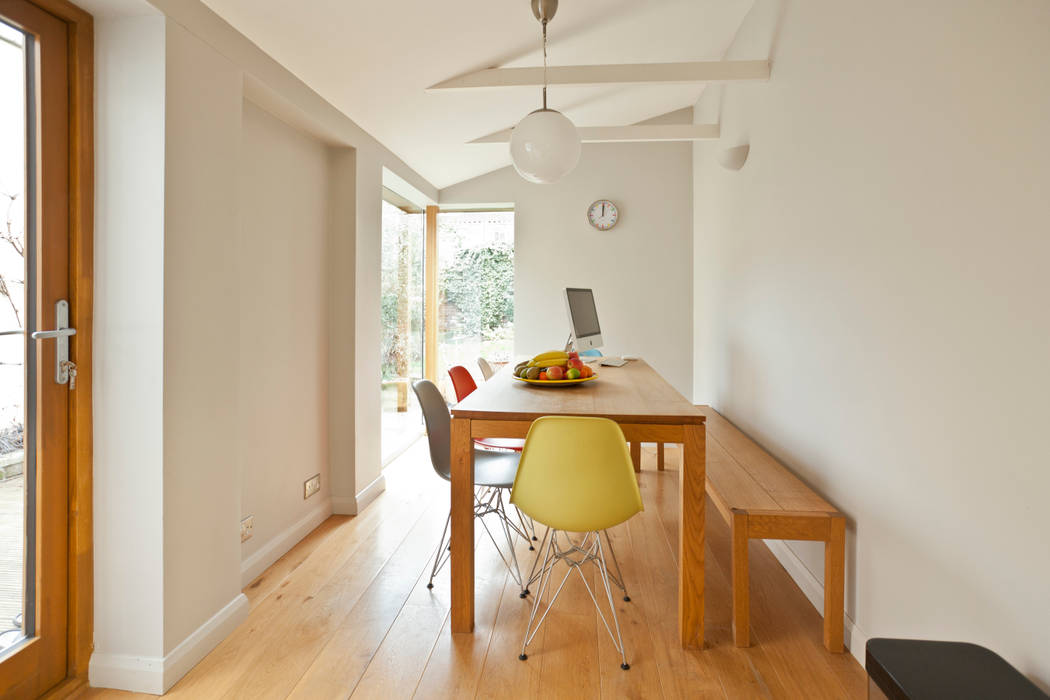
[(545, 64)]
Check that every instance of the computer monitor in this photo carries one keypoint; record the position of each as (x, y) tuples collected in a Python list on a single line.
[(583, 319)]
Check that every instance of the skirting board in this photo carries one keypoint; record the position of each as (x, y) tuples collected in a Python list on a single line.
[(369, 493), (143, 674), (276, 548), (813, 589), (342, 505)]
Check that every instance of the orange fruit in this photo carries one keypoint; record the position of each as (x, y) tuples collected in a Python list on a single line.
[(543, 376)]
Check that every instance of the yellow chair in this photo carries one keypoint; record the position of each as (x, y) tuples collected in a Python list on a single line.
[(576, 476)]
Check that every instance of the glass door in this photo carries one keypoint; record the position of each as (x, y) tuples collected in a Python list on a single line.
[(34, 348)]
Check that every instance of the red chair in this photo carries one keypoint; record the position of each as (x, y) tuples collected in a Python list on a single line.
[(462, 382), (464, 386)]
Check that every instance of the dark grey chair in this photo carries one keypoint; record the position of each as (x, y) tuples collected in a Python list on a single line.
[(493, 478)]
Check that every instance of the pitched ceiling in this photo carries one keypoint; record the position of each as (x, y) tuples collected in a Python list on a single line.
[(374, 60)]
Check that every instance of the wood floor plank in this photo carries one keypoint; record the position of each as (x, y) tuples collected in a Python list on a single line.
[(503, 672), (399, 663), (569, 658), (685, 673), (643, 680), (266, 582), (454, 667), (336, 667), (743, 673), (360, 545), (347, 612)]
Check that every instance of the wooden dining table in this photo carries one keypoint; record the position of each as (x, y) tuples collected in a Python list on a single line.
[(647, 408)]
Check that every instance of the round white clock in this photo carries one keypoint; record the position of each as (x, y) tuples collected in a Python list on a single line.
[(603, 215)]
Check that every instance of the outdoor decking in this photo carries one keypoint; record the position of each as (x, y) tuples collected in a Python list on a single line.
[(12, 506)]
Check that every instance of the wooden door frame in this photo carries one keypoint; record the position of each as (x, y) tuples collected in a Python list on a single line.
[(79, 618), (430, 305)]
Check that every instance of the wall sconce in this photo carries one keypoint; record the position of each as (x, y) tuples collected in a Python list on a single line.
[(735, 157)]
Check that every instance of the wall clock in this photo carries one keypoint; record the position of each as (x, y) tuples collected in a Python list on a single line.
[(603, 215)]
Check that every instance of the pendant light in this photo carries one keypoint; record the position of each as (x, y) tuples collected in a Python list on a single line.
[(544, 146)]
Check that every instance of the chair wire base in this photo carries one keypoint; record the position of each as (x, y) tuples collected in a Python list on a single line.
[(616, 578), (559, 546), (489, 501)]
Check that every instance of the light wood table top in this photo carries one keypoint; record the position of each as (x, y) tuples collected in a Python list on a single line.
[(634, 393)]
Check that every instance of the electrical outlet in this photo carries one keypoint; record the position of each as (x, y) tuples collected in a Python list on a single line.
[(247, 527), (311, 486)]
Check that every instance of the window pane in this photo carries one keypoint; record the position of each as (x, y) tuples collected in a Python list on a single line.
[(402, 326), (476, 291), (12, 339)]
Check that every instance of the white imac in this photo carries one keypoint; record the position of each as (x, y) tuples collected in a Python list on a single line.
[(585, 333)]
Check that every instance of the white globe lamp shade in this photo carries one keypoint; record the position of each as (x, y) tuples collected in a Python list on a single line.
[(545, 146)]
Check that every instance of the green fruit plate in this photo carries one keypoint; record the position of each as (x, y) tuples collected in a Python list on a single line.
[(558, 382)]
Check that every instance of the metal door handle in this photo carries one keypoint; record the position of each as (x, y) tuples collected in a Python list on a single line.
[(61, 336), (57, 333)]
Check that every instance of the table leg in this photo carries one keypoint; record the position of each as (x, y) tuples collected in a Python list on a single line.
[(691, 538), (636, 455), (462, 537)]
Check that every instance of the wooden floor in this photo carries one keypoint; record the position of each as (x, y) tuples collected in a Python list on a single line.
[(346, 613)]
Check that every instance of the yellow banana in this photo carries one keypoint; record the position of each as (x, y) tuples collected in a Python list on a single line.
[(554, 362), (551, 355)]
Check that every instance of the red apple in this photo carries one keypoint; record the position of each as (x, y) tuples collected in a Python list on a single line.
[(555, 373)]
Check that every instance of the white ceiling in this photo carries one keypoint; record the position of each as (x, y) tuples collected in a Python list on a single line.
[(373, 60)]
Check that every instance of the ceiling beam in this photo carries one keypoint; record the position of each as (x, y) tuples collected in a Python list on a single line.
[(695, 72), (635, 132)]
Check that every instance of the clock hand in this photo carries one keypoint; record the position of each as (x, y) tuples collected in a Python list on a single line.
[(603, 210)]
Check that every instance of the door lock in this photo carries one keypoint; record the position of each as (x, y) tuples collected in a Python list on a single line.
[(61, 335)]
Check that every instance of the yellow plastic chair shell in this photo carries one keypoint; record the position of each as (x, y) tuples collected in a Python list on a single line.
[(576, 475)]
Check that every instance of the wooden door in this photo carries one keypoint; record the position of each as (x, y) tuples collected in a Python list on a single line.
[(37, 286)]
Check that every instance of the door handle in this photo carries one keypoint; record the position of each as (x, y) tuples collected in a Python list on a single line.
[(57, 333), (61, 336)]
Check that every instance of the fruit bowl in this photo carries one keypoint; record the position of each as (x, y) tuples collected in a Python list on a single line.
[(558, 382), (554, 368)]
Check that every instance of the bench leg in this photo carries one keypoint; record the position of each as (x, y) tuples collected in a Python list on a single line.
[(741, 583), (834, 584), (660, 456), (636, 455)]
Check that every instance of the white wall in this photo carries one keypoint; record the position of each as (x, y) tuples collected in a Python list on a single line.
[(641, 270), (282, 432), (367, 264), (193, 367), (201, 299), (872, 298), (342, 336), (128, 388)]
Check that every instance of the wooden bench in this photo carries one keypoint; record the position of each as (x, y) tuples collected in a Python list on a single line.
[(761, 499)]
